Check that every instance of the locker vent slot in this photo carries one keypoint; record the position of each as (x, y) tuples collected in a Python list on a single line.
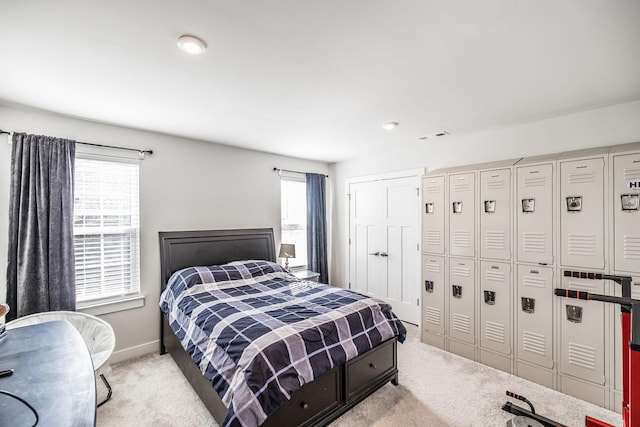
[(534, 242), (582, 244), (461, 323), (581, 177), (433, 315), (534, 343), (433, 237), (494, 332), (631, 247), (582, 356), (539, 181), (462, 271), (432, 190), (631, 173), (494, 276), (495, 185), (494, 240), (462, 187), (434, 268), (535, 282), (462, 238), (587, 285)]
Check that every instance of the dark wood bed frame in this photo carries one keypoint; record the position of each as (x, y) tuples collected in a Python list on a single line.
[(316, 403)]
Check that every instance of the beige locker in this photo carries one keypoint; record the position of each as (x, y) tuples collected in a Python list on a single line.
[(461, 292), (495, 306), (582, 329), (495, 214), (535, 315), (462, 213), (582, 213), (534, 207), (433, 294), (433, 214), (626, 212)]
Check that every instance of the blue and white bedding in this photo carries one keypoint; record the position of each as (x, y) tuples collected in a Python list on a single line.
[(259, 334)]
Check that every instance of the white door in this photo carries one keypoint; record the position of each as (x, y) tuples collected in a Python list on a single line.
[(384, 256)]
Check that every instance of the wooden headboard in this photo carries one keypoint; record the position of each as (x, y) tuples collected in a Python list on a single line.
[(182, 249)]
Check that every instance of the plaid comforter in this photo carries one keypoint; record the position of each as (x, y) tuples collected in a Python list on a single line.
[(259, 334)]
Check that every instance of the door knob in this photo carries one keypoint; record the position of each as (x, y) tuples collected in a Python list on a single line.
[(375, 253), (384, 254)]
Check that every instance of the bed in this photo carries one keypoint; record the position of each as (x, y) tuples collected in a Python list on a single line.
[(330, 393)]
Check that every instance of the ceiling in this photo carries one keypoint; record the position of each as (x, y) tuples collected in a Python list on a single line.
[(317, 79)]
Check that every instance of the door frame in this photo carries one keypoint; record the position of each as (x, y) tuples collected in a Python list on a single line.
[(410, 173)]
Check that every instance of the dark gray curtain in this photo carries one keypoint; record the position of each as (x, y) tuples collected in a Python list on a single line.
[(41, 270), (317, 225)]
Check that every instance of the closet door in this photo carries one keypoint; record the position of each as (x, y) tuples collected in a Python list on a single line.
[(495, 214), (534, 207), (462, 213), (582, 213), (433, 214)]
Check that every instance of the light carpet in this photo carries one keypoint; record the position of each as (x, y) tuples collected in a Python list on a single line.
[(436, 389)]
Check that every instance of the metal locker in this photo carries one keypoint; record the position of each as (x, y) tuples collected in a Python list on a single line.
[(582, 328), (626, 208), (462, 300), (462, 212), (534, 207), (433, 294), (495, 214), (582, 208), (495, 306), (535, 319), (433, 214)]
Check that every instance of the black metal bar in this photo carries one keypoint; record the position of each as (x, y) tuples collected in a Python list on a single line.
[(3, 132), (518, 411)]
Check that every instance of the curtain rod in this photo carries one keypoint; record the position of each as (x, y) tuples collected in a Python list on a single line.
[(3, 132), (287, 170)]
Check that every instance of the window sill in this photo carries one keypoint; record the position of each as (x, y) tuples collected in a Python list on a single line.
[(97, 308)]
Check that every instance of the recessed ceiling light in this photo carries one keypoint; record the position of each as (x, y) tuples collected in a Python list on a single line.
[(191, 44), (390, 125)]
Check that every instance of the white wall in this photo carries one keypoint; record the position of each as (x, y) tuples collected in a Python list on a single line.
[(611, 125), (184, 185)]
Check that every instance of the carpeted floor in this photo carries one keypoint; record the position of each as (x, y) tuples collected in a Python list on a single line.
[(436, 389)]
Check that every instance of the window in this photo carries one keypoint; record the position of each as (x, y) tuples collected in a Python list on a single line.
[(294, 218), (106, 228)]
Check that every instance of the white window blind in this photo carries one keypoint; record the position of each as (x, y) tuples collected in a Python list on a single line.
[(106, 228)]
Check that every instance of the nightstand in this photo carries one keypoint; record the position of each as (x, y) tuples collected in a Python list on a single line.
[(309, 275)]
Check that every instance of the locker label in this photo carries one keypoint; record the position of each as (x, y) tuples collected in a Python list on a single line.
[(457, 207), (633, 184), (428, 207), (528, 305), (528, 205), (490, 206), (574, 203), (630, 202)]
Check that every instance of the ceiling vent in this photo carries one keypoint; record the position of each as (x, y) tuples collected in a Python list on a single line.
[(433, 135)]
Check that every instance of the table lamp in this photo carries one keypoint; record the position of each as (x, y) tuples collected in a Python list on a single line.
[(287, 250)]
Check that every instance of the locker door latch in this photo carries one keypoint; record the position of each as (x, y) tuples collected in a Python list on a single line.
[(428, 286), (457, 207), (528, 304), (574, 313), (428, 208), (574, 203), (490, 206), (490, 297), (528, 205), (456, 291), (630, 202)]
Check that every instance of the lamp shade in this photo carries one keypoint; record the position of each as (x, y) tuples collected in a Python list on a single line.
[(287, 250)]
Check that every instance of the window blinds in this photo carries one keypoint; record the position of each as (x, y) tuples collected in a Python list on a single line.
[(106, 228)]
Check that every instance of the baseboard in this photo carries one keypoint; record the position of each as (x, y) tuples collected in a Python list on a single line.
[(135, 351)]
